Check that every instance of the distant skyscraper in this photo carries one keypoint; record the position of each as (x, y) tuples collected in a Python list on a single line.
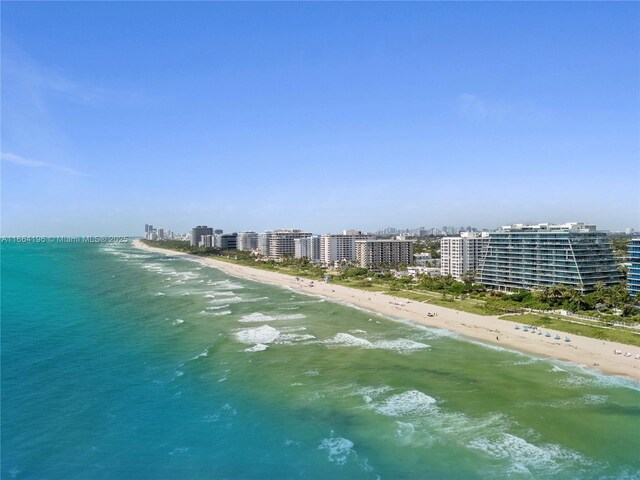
[(536, 256), (197, 232), (633, 279)]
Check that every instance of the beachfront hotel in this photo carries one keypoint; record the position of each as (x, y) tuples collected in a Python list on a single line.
[(340, 247), (633, 279), (459, 255), (537, 256), (373, 254)]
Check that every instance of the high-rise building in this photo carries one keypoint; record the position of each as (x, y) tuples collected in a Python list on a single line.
[(633, 278), (206, 241), (282, 242), (197, 232), (247, 241), (340, 247), (307, 247), (263, 243), (384, 253), (160, 232), (536, 256), (462, 254), (229, 241)]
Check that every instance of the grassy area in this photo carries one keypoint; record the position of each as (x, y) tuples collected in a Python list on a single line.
[(421, 292), (555, 323)]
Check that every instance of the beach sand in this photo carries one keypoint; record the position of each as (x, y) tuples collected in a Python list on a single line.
[(592, 353)]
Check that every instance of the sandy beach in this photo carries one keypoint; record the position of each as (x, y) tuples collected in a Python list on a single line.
[(592, 353)]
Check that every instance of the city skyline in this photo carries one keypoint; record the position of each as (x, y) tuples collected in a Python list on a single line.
[(318, 116)]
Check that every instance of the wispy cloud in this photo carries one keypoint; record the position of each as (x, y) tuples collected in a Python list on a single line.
[(31, 163), (473, 107)]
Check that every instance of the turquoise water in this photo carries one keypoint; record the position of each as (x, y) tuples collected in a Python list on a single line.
[(121, 364)]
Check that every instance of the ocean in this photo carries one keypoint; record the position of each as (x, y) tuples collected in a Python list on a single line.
[(123, 364)]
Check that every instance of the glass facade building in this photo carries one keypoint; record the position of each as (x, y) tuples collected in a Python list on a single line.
[(537, 256), (633, 279)]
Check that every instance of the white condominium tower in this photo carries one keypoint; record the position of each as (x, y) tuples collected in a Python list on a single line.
[(384, 253), (282, 242), (307, 247), (340, 247), (459, 255)]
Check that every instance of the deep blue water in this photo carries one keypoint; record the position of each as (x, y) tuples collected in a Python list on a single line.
[(120, 364)]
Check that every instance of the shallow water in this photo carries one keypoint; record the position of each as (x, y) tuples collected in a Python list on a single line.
[(118, 363)]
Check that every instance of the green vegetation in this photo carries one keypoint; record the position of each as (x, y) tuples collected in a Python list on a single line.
[(297, 267), (620, 247), (553, 323), (605, 305)]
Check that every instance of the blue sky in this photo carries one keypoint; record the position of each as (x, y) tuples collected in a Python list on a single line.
[(320, 116)]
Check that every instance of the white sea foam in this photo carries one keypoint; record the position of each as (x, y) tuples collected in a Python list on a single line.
[(256, 317), (293, 316), (526, 457), (261, 317), (289, 338), (373, 391), (223, 413), (216, 293), (348, 340), (258, 299), (408, 403), (339, 449), (405, 431), (226, 300), (293, 329), (160, 294), (264, 334), (204, 353), (216, 313), (179, 451), (226, 285), (259, 347), (307, 302), (217, 307), (400, 345), (178, 321)]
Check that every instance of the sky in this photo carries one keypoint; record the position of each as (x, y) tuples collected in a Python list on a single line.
[(320, 116)]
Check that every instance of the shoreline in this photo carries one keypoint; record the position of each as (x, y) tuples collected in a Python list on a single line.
[(589, 352)]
